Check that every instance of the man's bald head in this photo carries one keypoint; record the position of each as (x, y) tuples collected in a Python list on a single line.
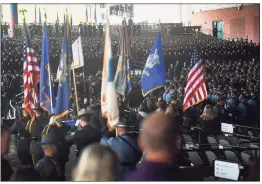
[(158, 132)]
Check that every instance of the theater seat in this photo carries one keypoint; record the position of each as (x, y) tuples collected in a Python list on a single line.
[(253, 152), (224, 142), (233, 140), (195, 158), (211, 157), (246, 157), (231, 156), (187, 138), (245, 144), (212, 140)]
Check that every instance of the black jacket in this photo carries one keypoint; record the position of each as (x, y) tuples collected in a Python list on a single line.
[(19, 128), (94, 112), (209, 127), (49, 169), (84, 137), (63, 146)]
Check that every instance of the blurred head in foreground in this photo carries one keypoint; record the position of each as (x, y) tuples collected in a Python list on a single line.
[(159, 139), (96, 163)]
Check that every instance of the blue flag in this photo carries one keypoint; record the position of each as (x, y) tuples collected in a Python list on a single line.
[(63, 94), (154, 74), (46, 89)]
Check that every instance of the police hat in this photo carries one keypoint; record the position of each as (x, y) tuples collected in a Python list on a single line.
[(123, 123), (82, 112), (49, 139)]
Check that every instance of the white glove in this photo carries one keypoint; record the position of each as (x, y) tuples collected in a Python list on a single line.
[(51, 121), (85, 100), (77, 123)]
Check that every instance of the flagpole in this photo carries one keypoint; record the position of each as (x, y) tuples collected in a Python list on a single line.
[(49, 78), (74, 78), (161, 29), (83, 69)]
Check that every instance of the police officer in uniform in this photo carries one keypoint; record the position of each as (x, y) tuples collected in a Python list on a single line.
[(57, 28), (85, 30), (134, 30), (35, 127), (89, 30), (48, 167), (125, 144), (24, 138), (232, 105), (81, 29), (151, 101), (96, 120), (129, 26), (138, 29), (94, 30), (86, 135), (100, 27), (59, 131)]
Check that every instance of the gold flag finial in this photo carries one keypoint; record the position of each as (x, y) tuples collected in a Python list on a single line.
[(45, 16), (23, 11)]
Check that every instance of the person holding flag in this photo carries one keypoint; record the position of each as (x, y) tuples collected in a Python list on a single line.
[(31, 79), (47, 99), (195, 91), (154, 74), (63, 94), (55, 127), (124, 144)]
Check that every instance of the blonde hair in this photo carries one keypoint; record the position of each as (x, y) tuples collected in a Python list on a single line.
[(97, 163), (208, 113)]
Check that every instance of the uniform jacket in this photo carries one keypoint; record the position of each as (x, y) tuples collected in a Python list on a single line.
[(127, 148)]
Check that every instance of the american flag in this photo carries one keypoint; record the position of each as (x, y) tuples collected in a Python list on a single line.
[(31, 74), (195, 91)]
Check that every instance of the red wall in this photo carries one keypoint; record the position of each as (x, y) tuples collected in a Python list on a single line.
[(237, 23)]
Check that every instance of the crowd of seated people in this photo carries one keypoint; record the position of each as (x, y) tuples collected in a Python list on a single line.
[(232, 78)]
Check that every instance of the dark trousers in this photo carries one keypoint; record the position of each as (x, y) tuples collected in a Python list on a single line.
[(23, 153)]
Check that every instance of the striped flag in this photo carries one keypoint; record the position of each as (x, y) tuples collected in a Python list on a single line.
[(109, 106), (31, 74), (123, 81), (195, 91)]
